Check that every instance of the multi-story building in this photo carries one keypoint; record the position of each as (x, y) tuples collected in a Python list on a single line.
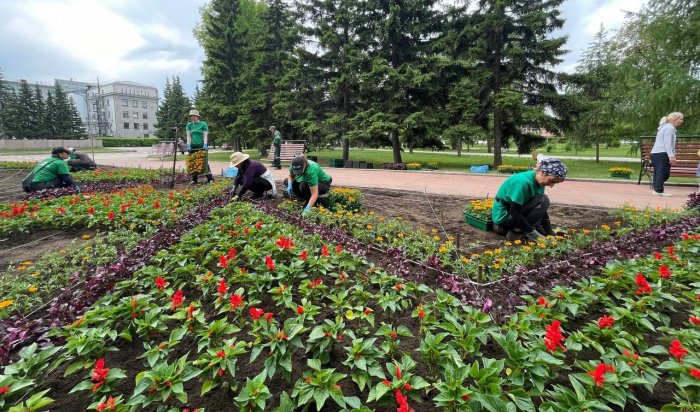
[(122, 109), (118, 109)]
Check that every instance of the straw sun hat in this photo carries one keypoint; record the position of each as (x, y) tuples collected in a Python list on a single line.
[(194, 113), (237, 158)]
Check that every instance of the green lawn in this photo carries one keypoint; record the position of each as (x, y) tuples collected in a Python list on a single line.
[(85, 150)]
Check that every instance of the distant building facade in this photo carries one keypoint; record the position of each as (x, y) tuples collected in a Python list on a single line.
[(118, 109)]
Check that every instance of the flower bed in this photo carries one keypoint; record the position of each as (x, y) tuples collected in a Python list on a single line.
[(432, 166), (189, 329), (413, 166), (344, 198), (622, 172), (512, 169)]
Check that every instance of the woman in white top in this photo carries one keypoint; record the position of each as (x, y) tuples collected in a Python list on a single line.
[(663, 154)]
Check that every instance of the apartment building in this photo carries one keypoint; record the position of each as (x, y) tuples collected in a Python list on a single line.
[(122, 109)]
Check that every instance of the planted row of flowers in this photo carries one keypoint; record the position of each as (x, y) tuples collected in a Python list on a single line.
[(28, 285), (137, 209), (245, 288), (442, 252)]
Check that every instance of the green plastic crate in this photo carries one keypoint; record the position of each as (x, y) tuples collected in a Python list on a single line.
[(485, 225)]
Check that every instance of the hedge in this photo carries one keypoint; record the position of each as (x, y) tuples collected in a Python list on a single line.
[(123, 142)]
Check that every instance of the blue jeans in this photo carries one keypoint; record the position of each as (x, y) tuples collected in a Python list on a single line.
[(662, 170)]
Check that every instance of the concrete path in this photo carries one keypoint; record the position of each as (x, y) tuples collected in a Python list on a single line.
[(597, 193)]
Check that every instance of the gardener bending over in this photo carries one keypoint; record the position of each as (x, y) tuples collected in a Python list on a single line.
[(79, 161), (307, 180), (52, 172), (521, 206)]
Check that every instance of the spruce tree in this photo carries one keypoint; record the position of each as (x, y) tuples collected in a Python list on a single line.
[(75, 123), (512, 39), (50, 115), (26, 112), (39, 113), (63, 124), (172, 111)]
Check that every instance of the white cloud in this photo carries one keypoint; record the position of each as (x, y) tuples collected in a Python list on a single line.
[(611, 15)]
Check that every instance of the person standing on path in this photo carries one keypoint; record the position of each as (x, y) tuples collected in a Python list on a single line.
[(520, 207), (307, 180), (197, 138), (663, 153), (52, 172), (252, 175), (277, 143)]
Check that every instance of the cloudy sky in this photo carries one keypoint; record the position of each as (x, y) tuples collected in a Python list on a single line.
[(147, 41)]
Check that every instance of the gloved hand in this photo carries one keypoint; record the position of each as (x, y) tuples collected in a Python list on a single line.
[(306, 210), (289, 187), (206, 147), (534, 235), (77, 188), (189, 147), (235, 198)]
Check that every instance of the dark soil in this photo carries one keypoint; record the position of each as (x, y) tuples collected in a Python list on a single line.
[(22, 247), (11, 184)]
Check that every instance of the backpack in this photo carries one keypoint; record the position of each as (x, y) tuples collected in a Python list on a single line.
[(27, 182)]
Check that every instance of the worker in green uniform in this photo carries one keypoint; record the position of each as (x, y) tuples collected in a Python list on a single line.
[(197, 135), (307, 180), (277, 143), (520, 209), (52, 172)]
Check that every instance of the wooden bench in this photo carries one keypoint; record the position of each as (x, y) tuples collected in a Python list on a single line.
[(686, 157), (162, 150), (288, 151)]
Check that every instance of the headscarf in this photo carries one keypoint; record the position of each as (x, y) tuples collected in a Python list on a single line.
[(553, 167)]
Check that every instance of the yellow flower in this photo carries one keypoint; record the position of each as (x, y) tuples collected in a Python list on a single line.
[(380, 239), (27, 263), (496, 266), (6, 303), (433, 230), (526, 247), (400, 235), (35, 274), (509, 244), (605, 227), (21, 268), (517, 241), (436, 238), (31, 289), (442, 249), (369, 227), (86, 237)]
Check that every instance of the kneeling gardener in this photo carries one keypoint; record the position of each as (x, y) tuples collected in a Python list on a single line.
[(307, 180), (521, 205)]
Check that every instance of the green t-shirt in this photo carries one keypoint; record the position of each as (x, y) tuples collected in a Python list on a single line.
[(197, 132), (49, 173), (277, 138), (312, 175), (518, 189)]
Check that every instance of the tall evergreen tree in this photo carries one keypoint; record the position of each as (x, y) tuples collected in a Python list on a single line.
[(50, 115), (512, 40), (401, 36), (38, 109), (75, 123), (173, 110), (4, 105), (63, 125), (26, 112)]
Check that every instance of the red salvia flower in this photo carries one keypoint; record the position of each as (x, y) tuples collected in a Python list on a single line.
[(324, 250), (542, 301), (367, 311), (222, 288), (399, 287), (677, 350), (664, 272), (246, 231), (658, 256), (285, 243), (256, 313), (270, 263), (599, 373), (190, 311), (259, 225), (110, 216), (397, 369), (236, 301), (161, 283), (605, 322), (156, 205), (221, 354), (695, 373), (99, 374), (223, 262), (268, 316), (4, 389), (232, 253), (303, 255), (553, 337), (338, 249), (300, 309), (643, 285), (110, 404), (91, 210), (694, 320), (671, 250), (177, 299), (421, 312)]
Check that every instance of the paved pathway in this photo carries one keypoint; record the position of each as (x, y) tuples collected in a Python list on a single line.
[(597, 193)]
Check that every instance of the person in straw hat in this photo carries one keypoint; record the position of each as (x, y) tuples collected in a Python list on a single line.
[(252, 175)]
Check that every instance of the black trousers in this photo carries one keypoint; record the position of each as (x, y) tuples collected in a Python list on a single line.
[(80, 168), (258, 186), (277, 162), (47, 185), (535, 212), (303, 191), (662, 170)]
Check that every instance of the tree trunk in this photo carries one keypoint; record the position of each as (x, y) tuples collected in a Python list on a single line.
[(237, 144), (497, 137), (396, 145), (459, 146), (346, 149), (597, 140)]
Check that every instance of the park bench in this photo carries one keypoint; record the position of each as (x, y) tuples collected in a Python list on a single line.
[(162, 150), (288, 151), (686, 157)]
